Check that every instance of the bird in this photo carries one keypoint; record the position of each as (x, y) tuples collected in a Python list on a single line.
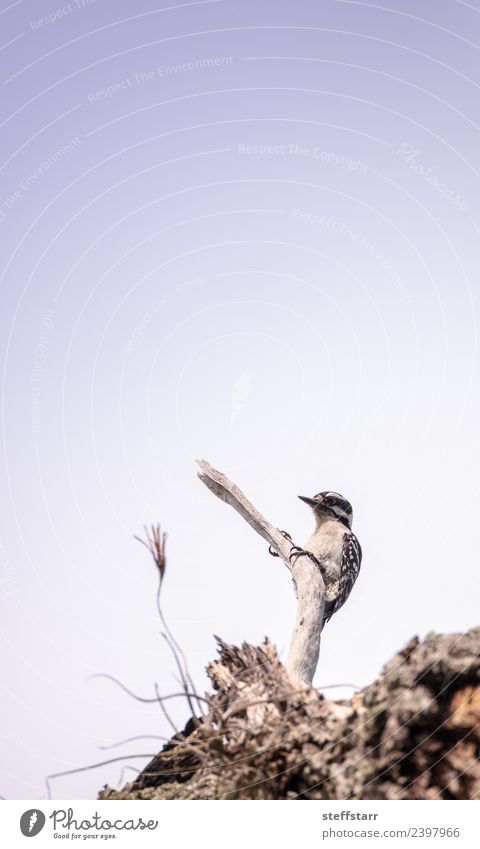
[(332, 546)]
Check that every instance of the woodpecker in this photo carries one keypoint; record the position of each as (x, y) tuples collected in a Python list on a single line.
[(332, 547)]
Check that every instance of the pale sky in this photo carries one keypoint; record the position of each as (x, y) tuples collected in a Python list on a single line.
[(246, 232)]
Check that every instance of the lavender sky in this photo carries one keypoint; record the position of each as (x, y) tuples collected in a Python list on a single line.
[(245, 231)]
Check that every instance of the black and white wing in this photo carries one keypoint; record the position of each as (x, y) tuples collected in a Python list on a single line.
[(349, 570)]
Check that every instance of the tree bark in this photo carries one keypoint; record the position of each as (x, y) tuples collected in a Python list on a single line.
[(412, 734)]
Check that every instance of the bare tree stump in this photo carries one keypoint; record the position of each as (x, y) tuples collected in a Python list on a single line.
[(412, 734)]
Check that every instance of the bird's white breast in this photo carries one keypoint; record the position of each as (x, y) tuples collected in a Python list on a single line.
[(326, 544)]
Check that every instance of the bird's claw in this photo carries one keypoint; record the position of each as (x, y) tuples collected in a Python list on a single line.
[(297, 552), (270, 548)]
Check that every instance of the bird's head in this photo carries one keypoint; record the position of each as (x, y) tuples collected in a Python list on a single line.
[(330, 505)]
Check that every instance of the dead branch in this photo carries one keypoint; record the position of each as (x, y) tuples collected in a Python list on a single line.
[(309, 585)]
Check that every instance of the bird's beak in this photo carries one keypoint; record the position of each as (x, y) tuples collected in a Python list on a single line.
[(310, 501)]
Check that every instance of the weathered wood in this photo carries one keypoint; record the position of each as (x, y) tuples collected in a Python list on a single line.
[(414, 733), (304, 648)]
